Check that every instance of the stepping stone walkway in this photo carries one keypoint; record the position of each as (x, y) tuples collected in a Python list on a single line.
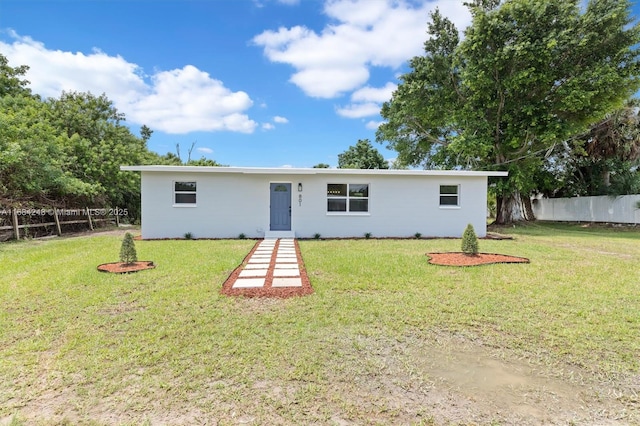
[(273, 268)]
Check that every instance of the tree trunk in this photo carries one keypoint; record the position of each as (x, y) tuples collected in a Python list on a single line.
[(513, 208), (606, 178)]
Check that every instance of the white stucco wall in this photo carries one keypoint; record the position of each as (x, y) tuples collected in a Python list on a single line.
[(229, 204)]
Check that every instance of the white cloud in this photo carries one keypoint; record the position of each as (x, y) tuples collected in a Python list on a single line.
[(367, 101), (205, 150), (177, 101), (373, 125), (268, 126), (187, 99), (359, 110), (361, 34), (281, 120), (374, 94), (52, 71)]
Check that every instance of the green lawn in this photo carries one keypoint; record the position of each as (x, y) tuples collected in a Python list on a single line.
[(164, 347)]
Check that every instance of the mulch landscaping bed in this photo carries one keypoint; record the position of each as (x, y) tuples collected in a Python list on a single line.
[(462, 259), (125, 268), (267, 290)]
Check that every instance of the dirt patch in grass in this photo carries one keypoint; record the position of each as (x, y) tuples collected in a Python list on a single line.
[(450, 380), (431, 378), (462, 259)]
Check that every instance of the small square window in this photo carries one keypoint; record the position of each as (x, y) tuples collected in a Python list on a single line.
[(449, 195), (184, 192)]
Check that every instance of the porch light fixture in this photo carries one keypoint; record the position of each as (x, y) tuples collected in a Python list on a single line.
[(300, 187)]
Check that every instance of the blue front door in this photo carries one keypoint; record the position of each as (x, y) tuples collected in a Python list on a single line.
[(280, 207)]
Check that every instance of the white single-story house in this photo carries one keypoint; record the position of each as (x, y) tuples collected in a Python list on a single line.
[(224, 202)]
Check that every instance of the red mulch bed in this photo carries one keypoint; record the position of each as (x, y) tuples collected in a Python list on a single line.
[(125, 268), (461, 259), (267, 290)]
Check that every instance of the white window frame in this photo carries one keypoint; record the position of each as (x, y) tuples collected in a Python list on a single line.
[(445, 194), (176, 192), (347, 198)]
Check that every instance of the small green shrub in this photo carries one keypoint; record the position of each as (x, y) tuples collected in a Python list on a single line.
[(188, 236), (367, 235), (417, 235), (469, 241), (316, 236), (128, 250), (242, 236)]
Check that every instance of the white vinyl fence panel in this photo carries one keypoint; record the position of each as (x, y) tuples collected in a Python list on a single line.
[(621, 209)]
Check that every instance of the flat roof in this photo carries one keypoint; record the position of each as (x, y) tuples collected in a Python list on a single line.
[(307, 171)]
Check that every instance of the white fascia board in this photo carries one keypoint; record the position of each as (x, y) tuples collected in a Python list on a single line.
[(309, 171)]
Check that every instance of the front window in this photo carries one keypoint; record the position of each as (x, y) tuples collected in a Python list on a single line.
[(449, 195), (184, 192), (352, 197)]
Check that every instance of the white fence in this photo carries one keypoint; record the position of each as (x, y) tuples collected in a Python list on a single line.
[(621, 209)]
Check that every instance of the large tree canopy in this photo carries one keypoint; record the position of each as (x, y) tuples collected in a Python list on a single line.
[(528, 75), (362, 156)]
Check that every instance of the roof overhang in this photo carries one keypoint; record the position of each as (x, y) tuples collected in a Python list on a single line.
[(308, 171)]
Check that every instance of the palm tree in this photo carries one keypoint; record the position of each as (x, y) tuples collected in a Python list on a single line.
[(616, 136)]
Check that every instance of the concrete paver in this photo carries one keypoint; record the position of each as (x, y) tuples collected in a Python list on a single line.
[(287, 282), (256, 266), (286, 272), (248, 283), (286, 266), (253, 273)]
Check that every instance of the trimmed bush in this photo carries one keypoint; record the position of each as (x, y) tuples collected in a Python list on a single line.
[(128, 253), (470, 241)]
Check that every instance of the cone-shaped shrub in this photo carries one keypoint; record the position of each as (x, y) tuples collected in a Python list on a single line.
[(469, 241), (128, 250)]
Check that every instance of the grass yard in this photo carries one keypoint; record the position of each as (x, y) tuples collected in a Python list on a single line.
[(385, 339)]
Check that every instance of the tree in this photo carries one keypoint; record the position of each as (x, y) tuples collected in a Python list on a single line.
[(613, 144), (128, 252), (98, 144), (145, 133), (469, 241), (33, 163), (204, 162), (603, 160), (321, 166), (528, 75), (362, 156), (10, 82)]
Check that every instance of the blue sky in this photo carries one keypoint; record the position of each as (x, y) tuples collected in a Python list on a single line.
[(265, 83)]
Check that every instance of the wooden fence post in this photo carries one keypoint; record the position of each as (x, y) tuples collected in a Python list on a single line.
[(55, 216), (89, 218), (14, 218)]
